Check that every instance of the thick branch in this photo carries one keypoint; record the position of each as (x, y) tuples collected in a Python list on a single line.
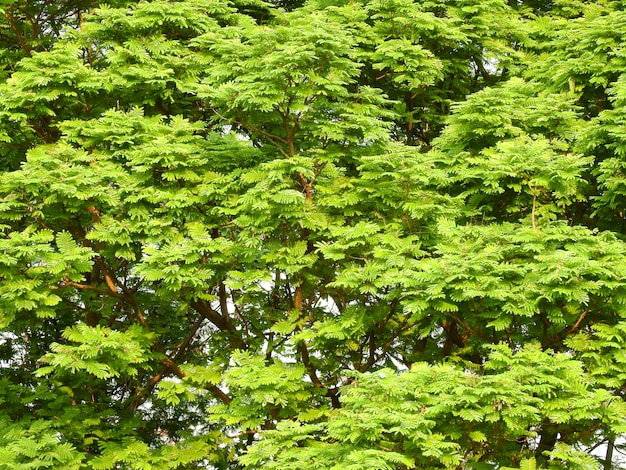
[(482, 70), (208, 312), (371, 357), (182, 348), (304, 353), (332, 393), (215, 391), (222, 322), (223, 296), (20, 38), (371, 338), (171, 367)]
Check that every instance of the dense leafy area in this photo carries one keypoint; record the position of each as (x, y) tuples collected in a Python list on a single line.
[(329, 235)]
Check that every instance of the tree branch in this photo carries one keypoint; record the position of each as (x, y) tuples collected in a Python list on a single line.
[(572, 329), (304, 353), (222, 322), (208, 312), (20, 38), (68, 283), (172, 367)]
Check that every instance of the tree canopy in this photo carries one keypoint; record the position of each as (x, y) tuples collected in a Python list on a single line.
[(356, 235)]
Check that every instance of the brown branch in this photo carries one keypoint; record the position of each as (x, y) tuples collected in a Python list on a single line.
[(371, 338), (108, 276), (215, 391), (67, 283), (176, 370), (575, 326), (20, 38), (572, 329), (137, 312), (109, 282), (34, 22), (304, 353), (298, 299), (307, 187), (219, 394), (274, 139), (468, 328), (319, 169), (333, 394), (371, 359), (182, 347), (172, 367), (482, 70), (290, 132), (452, 337), (40, 132), (223, 299), (137, 399), (222, 322), (208, 312)]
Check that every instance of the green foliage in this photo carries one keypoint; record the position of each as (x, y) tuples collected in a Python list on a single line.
[(342, 235), (444, 417), (35, 446), (101, 352)]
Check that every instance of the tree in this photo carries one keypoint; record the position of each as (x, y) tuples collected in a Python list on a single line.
[(236, 236)]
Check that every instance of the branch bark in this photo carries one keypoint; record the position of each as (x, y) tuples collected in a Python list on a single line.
[(222, 322)]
